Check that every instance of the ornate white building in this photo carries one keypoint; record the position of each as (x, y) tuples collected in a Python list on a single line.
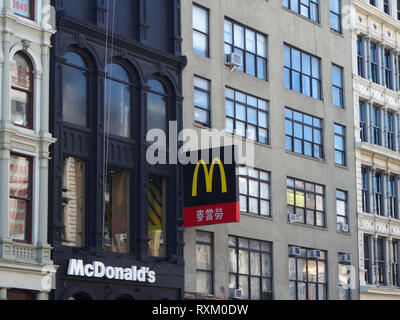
[(26, 269), (376, 84)]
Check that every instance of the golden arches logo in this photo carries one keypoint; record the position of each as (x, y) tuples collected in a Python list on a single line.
[(209, 176)]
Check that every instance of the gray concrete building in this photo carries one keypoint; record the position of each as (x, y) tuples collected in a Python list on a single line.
[(292, 96)]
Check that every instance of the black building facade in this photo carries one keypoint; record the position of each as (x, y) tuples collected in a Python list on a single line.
[(116, 222)]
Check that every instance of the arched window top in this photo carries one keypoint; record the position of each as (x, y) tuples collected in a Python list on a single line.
[(156, 86), (21, 71), (117, 72), (74, 59)]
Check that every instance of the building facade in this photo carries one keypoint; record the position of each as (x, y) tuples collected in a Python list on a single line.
[(290, 94), (375, 38), (116, 221), (26, 268)]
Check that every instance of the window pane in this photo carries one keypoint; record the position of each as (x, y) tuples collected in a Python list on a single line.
[(74, 200), (19, 177), (22, 8), (238, 36), (203, 257), (20, 108), (200, 19), (156, 112), (74, 96), (118, 108), (18, 219), (204, 282), (200, 43), (117, 212), (156, 216), (243, 262)]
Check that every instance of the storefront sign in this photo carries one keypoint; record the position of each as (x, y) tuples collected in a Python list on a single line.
[(211, 195), (100, 270)]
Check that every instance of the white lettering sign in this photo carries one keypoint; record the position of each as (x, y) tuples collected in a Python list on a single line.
[(100, 270)]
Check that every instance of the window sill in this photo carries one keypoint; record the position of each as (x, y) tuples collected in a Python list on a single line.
[(301, 16), (306, 157), (265, 218), (339, 34), (341, 167), (308, 226)]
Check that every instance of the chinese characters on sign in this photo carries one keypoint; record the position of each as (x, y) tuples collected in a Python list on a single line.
[(210, 215), (211, 195), (22, 8)]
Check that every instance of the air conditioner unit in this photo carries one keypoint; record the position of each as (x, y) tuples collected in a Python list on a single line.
[(343, 227), (345, 258), (294, 251), (314, 254), (233, 60), (292, 218), (235, 294)]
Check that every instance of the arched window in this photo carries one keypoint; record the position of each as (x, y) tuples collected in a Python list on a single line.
[(22, 91), (118, 99), (156, 106), (75, 89)]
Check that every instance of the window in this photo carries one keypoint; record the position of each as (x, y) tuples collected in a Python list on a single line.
[(250, 45), (335, 16), (395, 263), (117, 211), (21, 91), (380, 245), (250, 268), (24, 8), (360, 57), (75, 89), (367, 259), (200, 31), (337, 86), (388, 69), (374, 62), (386, 6), (254, 189), (308, 8), (340, 145), (74, 200), (372, 2), (247, 116), (378, 194), (308, 276), (157, 106), (20, 201), (392, 198), (365, 189), (344, 282), (306, 201), (118, 101), (303, 134), (156, 207), (204, 262), (376, 125), (363, 121), (302, 72), (398, 9), (342, 207), (202, 101), (390, 131)]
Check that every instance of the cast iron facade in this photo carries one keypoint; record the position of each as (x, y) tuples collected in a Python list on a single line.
[(143, 37)]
